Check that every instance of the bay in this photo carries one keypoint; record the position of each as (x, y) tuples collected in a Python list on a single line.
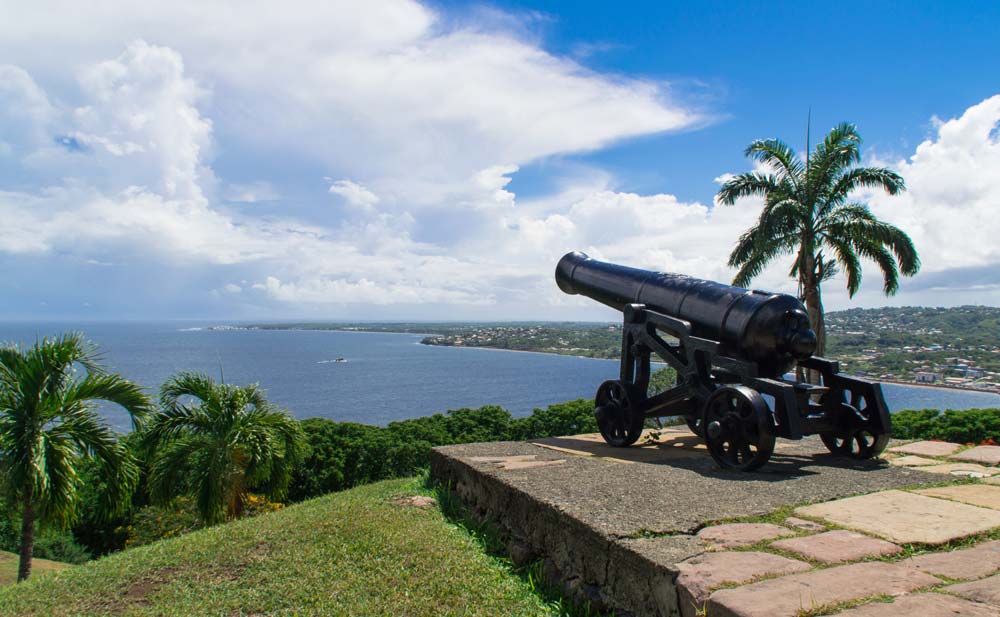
[(384, 376)]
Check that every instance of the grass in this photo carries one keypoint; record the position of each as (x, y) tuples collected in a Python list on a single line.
[(349, 553), (8, 567)]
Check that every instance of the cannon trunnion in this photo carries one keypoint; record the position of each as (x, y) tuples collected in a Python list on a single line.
[(731, 348)]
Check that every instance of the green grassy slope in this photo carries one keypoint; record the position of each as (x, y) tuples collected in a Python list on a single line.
[(350, 553), (8, 567)]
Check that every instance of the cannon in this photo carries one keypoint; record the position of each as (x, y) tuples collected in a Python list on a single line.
[(732, 349)]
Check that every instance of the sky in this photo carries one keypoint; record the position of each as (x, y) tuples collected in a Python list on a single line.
[(394, 160)]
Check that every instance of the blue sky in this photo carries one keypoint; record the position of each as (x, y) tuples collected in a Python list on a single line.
[(397, 160)]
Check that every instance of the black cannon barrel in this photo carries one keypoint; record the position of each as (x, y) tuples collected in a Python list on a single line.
[(769, 329)]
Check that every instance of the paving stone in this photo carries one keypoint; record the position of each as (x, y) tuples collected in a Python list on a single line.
[(927, 448), (741, 534), (923, 605), (963, 470), (976, 494), (912, 460), (502, 459), (985, 590), (962, 564), (789, 595), (836, 546), (700, 574), (528, 464), (803, 524), (987, 455), (905, 518)]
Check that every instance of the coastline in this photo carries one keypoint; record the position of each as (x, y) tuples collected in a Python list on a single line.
[(547, 353), (938, 386), (554, 353)]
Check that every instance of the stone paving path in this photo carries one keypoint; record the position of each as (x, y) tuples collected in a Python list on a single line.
[(931, 552)]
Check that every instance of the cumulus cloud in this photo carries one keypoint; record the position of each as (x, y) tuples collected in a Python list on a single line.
[(126, 157)]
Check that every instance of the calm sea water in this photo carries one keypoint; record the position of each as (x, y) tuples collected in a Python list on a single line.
[(385, 377)]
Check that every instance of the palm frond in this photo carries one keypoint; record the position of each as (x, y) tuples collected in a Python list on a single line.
[(780, 157), (748, 184)]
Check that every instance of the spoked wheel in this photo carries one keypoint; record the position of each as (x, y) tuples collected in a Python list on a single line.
[(855, 440), (738, 428), (862, 443), (619, 423), (694, 423)]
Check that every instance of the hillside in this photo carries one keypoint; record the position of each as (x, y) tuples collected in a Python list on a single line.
[(40, 567), (350, 553)]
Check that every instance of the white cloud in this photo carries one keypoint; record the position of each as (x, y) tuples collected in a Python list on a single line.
[(355, 195), (423, 125)]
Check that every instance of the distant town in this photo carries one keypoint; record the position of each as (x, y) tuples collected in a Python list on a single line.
[(953, 347)]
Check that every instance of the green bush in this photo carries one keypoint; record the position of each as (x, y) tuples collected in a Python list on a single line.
[(962, 426), (58, 545), (341, 455), (153, 523)]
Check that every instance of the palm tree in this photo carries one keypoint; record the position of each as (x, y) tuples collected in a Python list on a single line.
[(48, 426), (216, 443), (809, 211)]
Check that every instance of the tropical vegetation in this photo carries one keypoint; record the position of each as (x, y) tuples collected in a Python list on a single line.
[(971, 426), (49, 426), (810, 210), (217, 443)]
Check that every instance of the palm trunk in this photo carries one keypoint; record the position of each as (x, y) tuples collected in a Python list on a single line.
[(814, 308), (27, 536)]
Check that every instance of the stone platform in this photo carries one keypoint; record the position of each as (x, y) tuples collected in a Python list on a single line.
[(649, 530)]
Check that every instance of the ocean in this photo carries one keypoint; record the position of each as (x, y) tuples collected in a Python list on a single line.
[(384, 376)]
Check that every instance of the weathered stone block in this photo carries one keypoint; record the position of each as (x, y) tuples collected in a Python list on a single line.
[(985, 590), (789, 595), (967, 563), (836, 546), (961, 470), (975, 494), (923, 605), (985, 455), (699, 575), (741, 534), (927, 448), (905, 518)]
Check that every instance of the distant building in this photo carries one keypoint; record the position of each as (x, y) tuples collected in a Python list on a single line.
[(927, 377)]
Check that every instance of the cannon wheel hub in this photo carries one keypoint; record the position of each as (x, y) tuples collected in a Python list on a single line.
[(738, 428)]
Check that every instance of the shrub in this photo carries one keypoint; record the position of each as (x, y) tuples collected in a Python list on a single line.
[(153, 523), (961, 426)]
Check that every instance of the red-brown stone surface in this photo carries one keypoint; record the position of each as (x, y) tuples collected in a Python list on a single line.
[(741, 534), (789, 595), (927, 448), (836, 546), (923, 605), (985, 590), (962, 564), (986, 455), (700, 574)]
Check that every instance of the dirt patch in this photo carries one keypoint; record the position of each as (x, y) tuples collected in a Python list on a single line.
[(421, 502)]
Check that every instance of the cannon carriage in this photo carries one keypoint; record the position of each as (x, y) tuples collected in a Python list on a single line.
[(732, 349)]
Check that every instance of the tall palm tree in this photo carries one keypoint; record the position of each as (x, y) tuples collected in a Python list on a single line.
[(217, 442), (48, 425), (809, 211)]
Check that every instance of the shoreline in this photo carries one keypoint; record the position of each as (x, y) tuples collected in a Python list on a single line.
[(553, 353), (938, 386)]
